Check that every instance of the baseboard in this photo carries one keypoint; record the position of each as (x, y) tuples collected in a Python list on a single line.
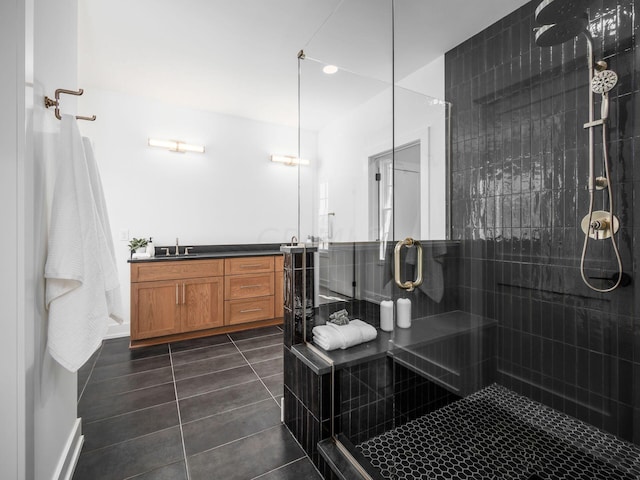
[(117, 331), (70, 454)]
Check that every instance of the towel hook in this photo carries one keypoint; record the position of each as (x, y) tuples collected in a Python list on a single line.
[(56, 103)]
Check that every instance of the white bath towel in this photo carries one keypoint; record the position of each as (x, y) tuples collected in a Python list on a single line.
[(107, 250), (78, 278), (332, 336)]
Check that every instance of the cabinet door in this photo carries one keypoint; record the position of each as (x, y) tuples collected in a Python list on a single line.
[(202, 303), (155, 309)]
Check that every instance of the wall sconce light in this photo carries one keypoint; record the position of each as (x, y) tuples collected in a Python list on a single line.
[(289, 160), (176, 146)]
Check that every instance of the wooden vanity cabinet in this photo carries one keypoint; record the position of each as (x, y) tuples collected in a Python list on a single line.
[(249, 289), (171, 300), (186, 302)]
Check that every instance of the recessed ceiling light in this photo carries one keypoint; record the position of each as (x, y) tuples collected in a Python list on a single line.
[(329, 69)]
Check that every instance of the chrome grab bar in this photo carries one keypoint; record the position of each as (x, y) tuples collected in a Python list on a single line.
[(408, 285)]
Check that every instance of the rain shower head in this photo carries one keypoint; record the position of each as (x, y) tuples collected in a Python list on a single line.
[(604, 81), (558, 33), (559, 11)]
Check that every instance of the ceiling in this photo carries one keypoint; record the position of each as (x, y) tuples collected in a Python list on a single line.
[(239, 57)]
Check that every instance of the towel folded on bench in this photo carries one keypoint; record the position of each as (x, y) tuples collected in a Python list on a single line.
[(331, 336)]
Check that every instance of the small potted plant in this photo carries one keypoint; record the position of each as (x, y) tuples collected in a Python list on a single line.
[(138, 245)]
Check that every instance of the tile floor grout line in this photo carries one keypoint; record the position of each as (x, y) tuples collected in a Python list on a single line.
[(228, 411), (125, 392), (281, 466), (91, 452), (217, 389), (237, 440), (175, 389), (204, 359), (129, 375), (127, 413), (209, 373), (185, 350), (90, 373), (133, 360), (245, 340), (256, 373), (183, 353)]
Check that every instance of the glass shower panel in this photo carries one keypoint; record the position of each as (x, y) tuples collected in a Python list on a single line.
[(349, 118)]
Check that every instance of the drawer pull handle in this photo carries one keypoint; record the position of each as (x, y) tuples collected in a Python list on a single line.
[(184, 297), (251, 266), (250, 310), (176, 294), (250, 286)]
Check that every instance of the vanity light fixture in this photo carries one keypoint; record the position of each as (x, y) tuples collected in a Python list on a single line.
[(329, 69), (289, 160), (176, 146)]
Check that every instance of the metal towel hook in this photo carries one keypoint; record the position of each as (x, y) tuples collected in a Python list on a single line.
[(56, 103), (408, 285)]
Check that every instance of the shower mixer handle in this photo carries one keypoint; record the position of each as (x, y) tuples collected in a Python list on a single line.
[(600, 225)]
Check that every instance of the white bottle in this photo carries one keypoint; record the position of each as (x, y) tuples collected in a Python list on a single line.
[(386, 315), (151, 249), (404, 313)]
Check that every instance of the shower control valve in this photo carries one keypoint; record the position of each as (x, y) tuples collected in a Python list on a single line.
[(600, 225)]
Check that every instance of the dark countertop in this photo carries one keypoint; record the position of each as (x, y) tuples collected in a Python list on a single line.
[(422, 331), (202, 252)]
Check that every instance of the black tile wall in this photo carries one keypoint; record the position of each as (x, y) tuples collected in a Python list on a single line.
[(519, 168), (307, 412), (381, 394)]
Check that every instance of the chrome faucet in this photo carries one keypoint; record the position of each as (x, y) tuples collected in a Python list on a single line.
[(177, 247)]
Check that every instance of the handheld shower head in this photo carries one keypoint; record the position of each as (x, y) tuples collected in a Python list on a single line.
[(604, 81)]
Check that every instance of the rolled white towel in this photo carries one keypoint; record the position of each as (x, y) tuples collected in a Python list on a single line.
[(326, 337), (331, 336), (369, 332)]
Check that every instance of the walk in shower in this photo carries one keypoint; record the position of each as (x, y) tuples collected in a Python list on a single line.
[(458, 180)]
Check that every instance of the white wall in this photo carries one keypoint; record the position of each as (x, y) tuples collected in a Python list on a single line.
[(13, 441), (39, 412), (230, 194), (55, 389), (345, 145)]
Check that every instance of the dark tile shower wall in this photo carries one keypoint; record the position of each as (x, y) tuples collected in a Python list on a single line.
[(381, 394), (519, 167)]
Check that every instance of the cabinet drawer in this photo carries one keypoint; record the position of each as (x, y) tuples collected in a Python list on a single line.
[(242, 265), (241, 311), (248, 286), (176, 270)]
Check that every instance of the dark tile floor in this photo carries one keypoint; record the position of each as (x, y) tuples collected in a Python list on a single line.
[(199, 409)]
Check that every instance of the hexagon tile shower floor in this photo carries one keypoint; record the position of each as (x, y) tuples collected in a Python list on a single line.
[(498, 434)]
